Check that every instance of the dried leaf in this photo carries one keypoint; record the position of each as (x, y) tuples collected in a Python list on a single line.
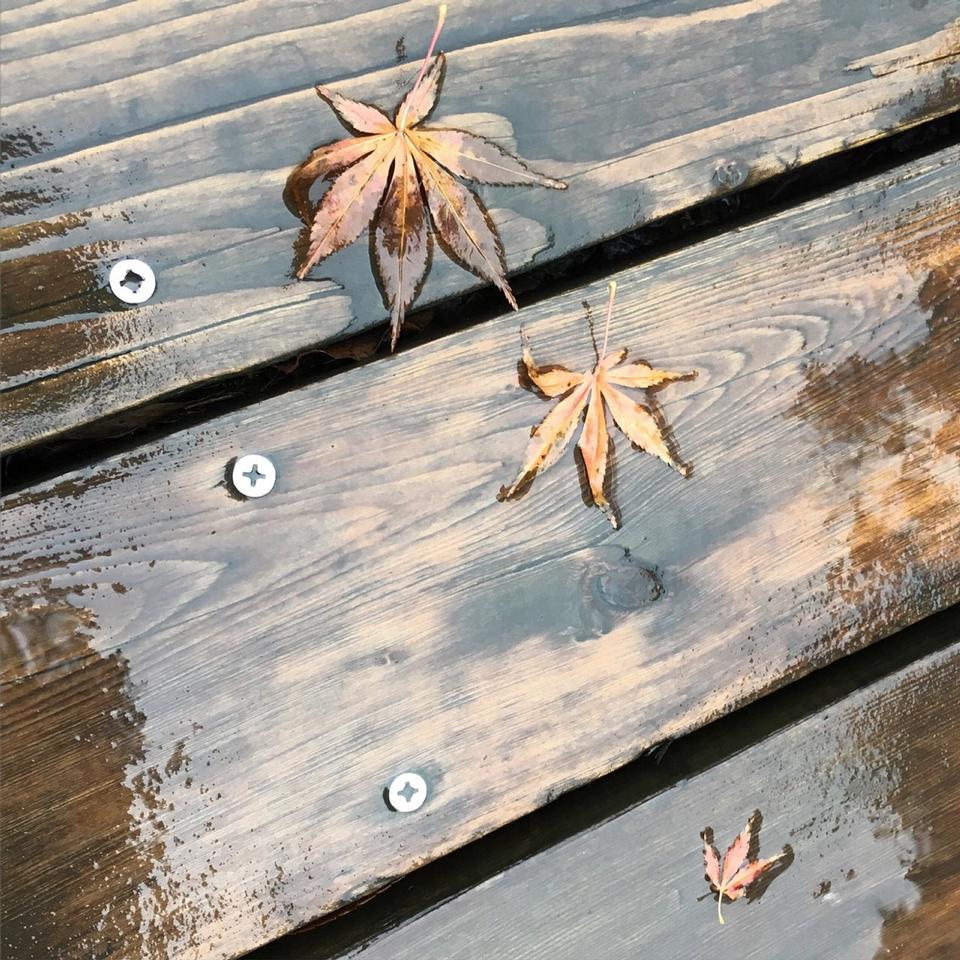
[(738, 870), (474, 158), (391, 174), (402, 244), (322, 163), (463, 227), (595, 392), (348, 206)]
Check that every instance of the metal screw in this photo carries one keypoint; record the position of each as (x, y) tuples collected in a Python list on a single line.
[(254, 475), (730, 174), (132, 281), (407, 792)]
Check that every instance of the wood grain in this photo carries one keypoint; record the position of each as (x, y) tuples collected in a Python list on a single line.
[(219, 690), (864, 793), (171, 141)]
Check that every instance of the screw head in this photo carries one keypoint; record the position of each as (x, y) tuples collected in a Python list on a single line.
[(731, 174), (132, 281), (407, 792), (253, 475)]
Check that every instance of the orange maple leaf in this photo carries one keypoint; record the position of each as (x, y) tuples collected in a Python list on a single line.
[(738, 871), (393, 173), (593, 392)]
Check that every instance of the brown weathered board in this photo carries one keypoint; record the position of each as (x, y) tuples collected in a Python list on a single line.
[(213, 693), (866, 793), (167, 134)]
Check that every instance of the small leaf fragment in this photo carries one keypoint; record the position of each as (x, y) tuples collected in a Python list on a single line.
[(322, 163), (550, 438), (480, 160), (593, 444), (639, 376), (751, 872), (417, 104), (738, 871), (639, 425), (735, 855), (711, 860), (463, 226), (355, 116), (346, 208)]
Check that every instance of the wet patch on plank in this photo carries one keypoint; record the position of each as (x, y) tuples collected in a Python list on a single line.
[(889, 426)]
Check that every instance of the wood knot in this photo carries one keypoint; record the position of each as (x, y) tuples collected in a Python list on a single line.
[(613, 584), (628, 588), (625, 584)]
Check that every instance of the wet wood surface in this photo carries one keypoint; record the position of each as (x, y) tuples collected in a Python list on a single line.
[(864, 793), (166, 130), (209, 695)]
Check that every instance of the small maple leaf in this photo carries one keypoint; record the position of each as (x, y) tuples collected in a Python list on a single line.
[(738, 871), (593, 392), (394, 173)]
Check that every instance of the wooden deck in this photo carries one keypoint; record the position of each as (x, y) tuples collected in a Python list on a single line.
[(165, 132), (205, 696)]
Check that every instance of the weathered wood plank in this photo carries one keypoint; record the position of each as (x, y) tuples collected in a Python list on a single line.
[(183, 164), (55, 26), (866, 793), (215, 692), (179, 40)]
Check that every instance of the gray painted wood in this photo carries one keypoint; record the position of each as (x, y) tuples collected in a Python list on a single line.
[(213, 693), (168, 135), (864, 793)]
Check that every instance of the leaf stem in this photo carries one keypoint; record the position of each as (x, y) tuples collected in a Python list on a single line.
[(720, 905), (606, 329), (441, 16)]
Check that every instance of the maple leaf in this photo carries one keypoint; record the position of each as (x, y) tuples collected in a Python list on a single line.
[(403, 178), (594, 392), (738, 870)]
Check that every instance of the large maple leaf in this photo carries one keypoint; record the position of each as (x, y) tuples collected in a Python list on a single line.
[(594, 392), (403, 178), (738, 871)]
